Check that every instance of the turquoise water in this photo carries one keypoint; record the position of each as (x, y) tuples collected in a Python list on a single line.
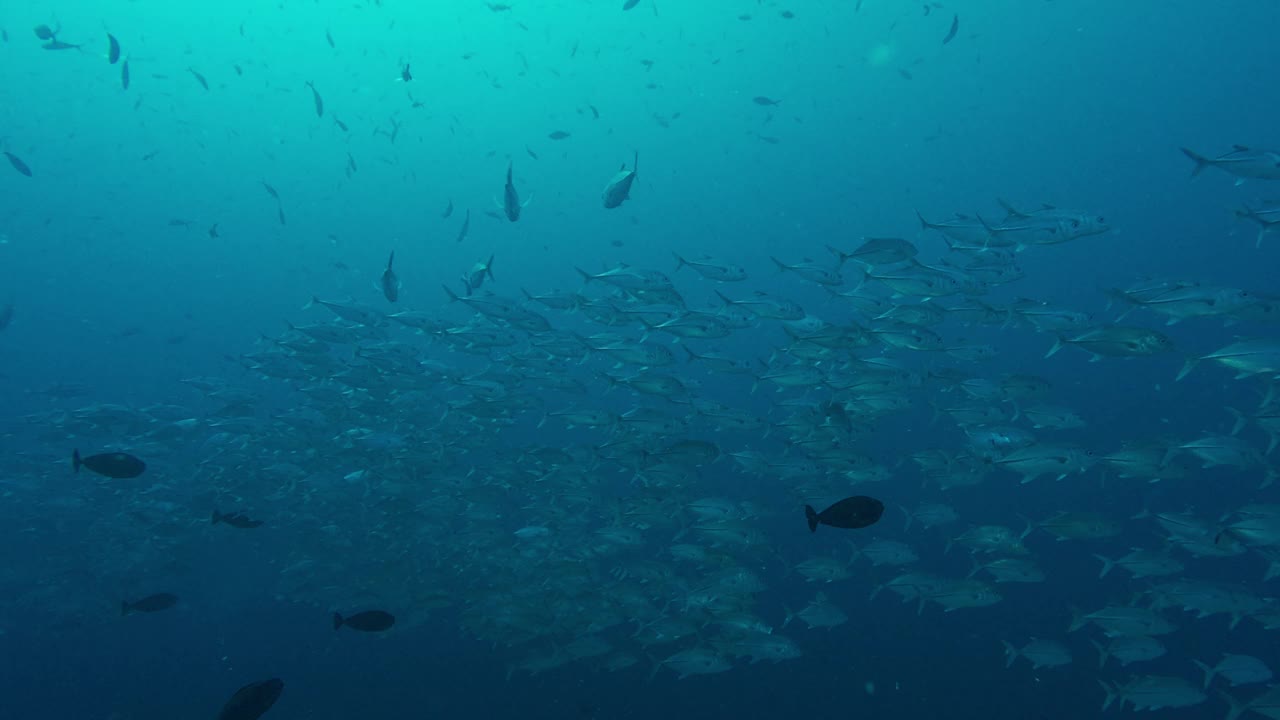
[(156, 242)]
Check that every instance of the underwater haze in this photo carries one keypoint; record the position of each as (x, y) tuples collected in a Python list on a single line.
[(601, 359)]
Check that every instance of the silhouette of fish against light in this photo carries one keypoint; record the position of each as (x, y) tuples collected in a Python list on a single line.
[(858, 511)]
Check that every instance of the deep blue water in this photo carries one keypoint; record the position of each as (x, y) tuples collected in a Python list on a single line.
[(119, 290)]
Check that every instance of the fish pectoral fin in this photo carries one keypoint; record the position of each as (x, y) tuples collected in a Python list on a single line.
[(528, 200)]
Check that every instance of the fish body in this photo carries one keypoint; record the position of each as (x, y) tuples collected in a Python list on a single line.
[(619, 188), (474, 277), (113, 49), (858, 511), (18, 164), (511, 205), (390, 283), (199, 78), (252, 700), (315, 95), (113, 465), (367, 621), (1242, 162), (236, 520), (149, 604), (124, 74)]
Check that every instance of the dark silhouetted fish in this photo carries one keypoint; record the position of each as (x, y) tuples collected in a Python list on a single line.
[(59, 45), (558, 135), (235, 519), (405, 75), (112, 465), (270, 190), (511, 206), (149, 604), (17, 164), (329, 38), (315, 95), (113, 49), (252, 700), (44, 32), (390, 283), (448, 210), (466, 226), (951, 34), (765, 101), (6, 315), (124, 74), (630, 4), (858, 511), (199, 78), (367, 621), (213, 230), (619, 188)]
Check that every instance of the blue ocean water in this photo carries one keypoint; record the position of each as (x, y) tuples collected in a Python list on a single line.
[(156, 240)]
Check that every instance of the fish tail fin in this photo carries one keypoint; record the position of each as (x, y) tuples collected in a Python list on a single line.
[(1201, 161), (924, 224), (1102, 653), (453, 297), (840, 255), (1208, 672), (1187, 367), (217, 518), (75, 460), (782, 267), (124, 608), (337, 620), (722, 297), (1057, 345), (488, 269), (1237, 708), (1240, 420), (1111, 692), (680, 262), (1107, 564), (391, 259), (311, 303), (586, 276), (812, 516), (1010, 653)]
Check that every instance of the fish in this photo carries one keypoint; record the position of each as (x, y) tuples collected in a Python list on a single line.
[(558, 135), (328, 37), (235, 519), (199, 78), (955, 27), (124, 74), (630, 4), (253, 700), (390, 283), (44, 32), (113, 49), (405, 75), (59, 45), (341, 125), (618, 190), (854, 512), (1242, 162), (765, 101), (448, 210), (595, 114), (474, 277), (511, 205), (18, 164), (270, 190), (315, 95), (113, 465), (466, 226), (149, 604), (6, 315), (367, 621)]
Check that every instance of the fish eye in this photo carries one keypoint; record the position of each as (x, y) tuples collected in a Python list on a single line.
[(1075, 223), (1102, 220)]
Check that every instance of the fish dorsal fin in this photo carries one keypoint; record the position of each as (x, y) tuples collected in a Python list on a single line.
[(1241, 148)]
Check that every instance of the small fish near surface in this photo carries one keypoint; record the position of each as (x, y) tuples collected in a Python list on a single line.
[(149, 604), (390, 283), (253, 700), (367, 621), (235, 520), (315, 95), (511, 205), (850, 513), (113, 465), (18, 164), (619, 188), (955, 27), (466, 227)]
